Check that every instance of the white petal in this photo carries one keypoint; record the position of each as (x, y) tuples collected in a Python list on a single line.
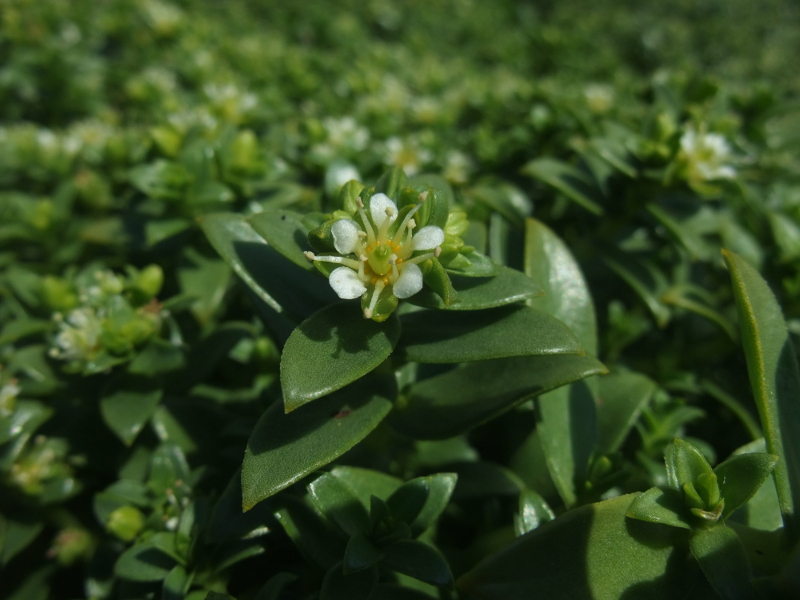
[(346, 283), (345, 236), (427, 238), (377, 209), (409, 282)]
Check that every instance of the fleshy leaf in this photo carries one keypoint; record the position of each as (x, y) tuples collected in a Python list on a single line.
[(741, 476), (620, 557), (665, 506), (331, 349), (418, 560), (566, 179), (128, 405), (286, 231), (684, 463), (775, 379), (339, 504), (476, 293), (621, 398), (465, 397), (419, 502), (284, 448), (724, 562), (353, 586), (446, 337)]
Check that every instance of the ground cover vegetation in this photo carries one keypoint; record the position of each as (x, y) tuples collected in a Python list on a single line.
[(399, 300)]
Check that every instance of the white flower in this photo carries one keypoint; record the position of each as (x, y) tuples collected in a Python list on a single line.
[(706, 155), (372, 259), (78, 336)]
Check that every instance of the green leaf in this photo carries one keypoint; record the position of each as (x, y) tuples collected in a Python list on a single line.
[(775, 379), (228, 522), (446, 337), (206, 279), (284, 448), (312, 535), (285, 231), (482, 479), (647, 281), (741, 476), (566, 179), (685, 463), (549, 262), (360, 554), (786, 234), (480, 266), (619, 558), (283, 292), (464, 397), (331, 349), (143, 562), (17, 536), (419, 561), (176, 584), (477, 293), (533, 512), (621, 397), (128, 404), (273, 588), (661, 505), (724, 562), (354, 586), (567, 425), (419, 502), (762, 511), (339, 504), (157, 356), (366, 483)]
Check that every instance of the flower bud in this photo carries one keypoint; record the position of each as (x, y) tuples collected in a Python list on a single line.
[(125, 522)]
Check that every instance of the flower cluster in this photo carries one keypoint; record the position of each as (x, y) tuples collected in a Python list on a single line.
[(379, 252)]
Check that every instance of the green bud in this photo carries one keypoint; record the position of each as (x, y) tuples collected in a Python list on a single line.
[(244, 156), (148, 281), (457, 223), (346, 200), (691, 497), (439, 281), (41, 217), (139, 330), (125, 522), (708, 488), (71, 545), (57, 294), (167, 140), (93, 190)]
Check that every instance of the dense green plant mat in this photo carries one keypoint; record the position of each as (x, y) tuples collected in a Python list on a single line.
[(399, 300)]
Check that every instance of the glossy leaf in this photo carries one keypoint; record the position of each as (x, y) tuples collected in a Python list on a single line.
[(741, 476), (16, 536), (284, 448), (482, 479), (339, 504), (331, 349), (549, 262), (465, 397), (476, 293), (621, 397), (286, 232), (143, 562), (775, 379), (353, 586), (419, 502), (206, 279), (724, 562), (684, 463), (366, 483), (533, 512), (360, 554), (480, 266), (176, 584), (567, 425), (647, 281), (419, 561), (313, 536), (441, 337), (762, 511), (620, 558), (157, 356), (128, 405), (665, 506)]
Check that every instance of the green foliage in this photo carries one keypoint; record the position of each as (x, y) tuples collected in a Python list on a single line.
[(297, 302)]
